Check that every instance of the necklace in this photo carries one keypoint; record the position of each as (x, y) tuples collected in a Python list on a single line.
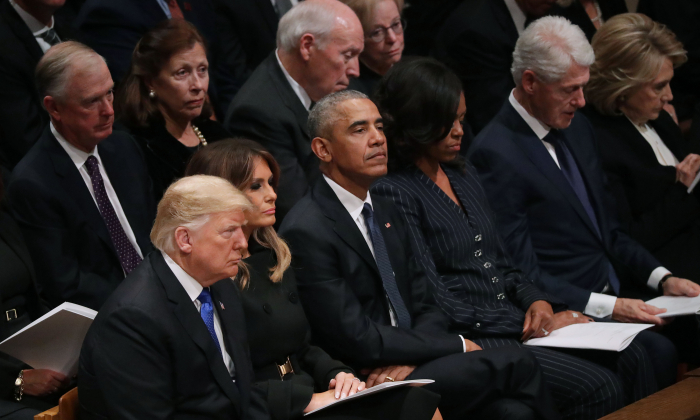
[(199, 134)]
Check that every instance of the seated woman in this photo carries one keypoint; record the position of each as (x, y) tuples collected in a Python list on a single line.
[(163, 100), (646, 159), (454, 236), (298, 377), (24, 391), (383, 26)]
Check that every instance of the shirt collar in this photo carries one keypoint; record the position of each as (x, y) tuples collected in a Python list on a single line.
[(296, 87), (34, 25), (517, 14), (76, 155), (191, 286), (351, 203), (540, 129)]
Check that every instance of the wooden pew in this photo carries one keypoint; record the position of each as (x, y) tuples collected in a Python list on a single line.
[(67, 408), (678, 402)]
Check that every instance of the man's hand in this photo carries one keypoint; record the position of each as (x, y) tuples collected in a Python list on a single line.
[(675, 286), (40, 382), (345, 384), (471, 346), (379, 375), (561, 320), (688, 169), (539, 313), (636, 311)]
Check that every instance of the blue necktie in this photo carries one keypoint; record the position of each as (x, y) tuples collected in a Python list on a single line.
[(207, 313), (385, 271), (572, 174)]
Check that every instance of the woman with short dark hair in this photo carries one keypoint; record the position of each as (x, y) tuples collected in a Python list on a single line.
[(163, 100)]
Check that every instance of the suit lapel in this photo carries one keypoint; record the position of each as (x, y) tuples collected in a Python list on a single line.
[(344, 226), (74, 184), (670, 133), (185, 311), (528, 141), (287, 94), (20, 29)]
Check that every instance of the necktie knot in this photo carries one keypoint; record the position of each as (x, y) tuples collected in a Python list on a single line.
[(367, 211), (51, 37), (92, 164), (205, 296)]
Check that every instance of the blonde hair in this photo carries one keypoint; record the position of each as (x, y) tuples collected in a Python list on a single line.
[(189, 202), (630, 50), (364, 9), (234, 160)]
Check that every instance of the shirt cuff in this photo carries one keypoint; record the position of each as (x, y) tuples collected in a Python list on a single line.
[(600, 305), (656, 277), (464, 345)]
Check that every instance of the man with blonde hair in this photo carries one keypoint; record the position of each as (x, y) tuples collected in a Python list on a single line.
[(171, 339), (318, 44)]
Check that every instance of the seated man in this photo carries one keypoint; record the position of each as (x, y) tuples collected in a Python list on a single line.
[(373, 308), (318, 44), (538, 164), (477, 42), (27, 30), (170, 342), (81, 196)]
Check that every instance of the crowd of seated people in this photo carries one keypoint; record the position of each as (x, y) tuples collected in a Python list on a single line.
[(272, 208)]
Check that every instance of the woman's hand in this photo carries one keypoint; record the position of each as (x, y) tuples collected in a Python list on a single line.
[(686, 170), (40, 382), (345, 384), (319, 400)]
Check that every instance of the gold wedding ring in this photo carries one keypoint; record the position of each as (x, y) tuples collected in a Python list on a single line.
[(389, 378)]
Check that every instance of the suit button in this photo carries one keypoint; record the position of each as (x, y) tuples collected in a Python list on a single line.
[(477, 253), (293, 297), (598, 311), (478, 325), (267, 308), (494, 279), (477, 238), (487, 265)]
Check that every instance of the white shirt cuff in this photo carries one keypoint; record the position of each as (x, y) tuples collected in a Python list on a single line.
[(656, 277), (464, 345), (600, 305)]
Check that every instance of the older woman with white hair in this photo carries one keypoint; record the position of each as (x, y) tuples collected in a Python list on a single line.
[(643, 152)]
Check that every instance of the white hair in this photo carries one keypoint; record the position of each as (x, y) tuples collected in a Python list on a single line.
[(548, 47), (307, 17)]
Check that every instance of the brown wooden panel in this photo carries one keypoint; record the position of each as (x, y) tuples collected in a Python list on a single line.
[(678, 402)]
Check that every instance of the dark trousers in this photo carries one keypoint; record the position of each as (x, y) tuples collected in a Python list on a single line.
[(503, 383), (405, 403)]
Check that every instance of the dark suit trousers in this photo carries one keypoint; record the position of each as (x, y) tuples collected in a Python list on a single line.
[(495, 378)]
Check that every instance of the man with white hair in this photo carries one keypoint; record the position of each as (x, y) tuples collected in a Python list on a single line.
[(171, 342), (539, 167), (318, 43), (82, 194)]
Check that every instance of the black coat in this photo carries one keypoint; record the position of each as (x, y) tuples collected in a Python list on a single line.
[(67, 237), (148, 353), (277, 329), (22, 118), (165, 156), (542, 221), (656, 210), (367, 82), (268, 111), (477, 42), (453, 246), (578, 16)]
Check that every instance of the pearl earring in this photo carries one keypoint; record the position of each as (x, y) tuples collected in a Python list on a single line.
[(152, 93)]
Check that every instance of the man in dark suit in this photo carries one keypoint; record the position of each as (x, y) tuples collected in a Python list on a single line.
[(477, 42), (85, 210), (171, 341), (27, 30), (373, 308), (273, 105), (539, 166)]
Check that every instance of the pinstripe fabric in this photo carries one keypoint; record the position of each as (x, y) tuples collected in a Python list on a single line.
[(485, 297)]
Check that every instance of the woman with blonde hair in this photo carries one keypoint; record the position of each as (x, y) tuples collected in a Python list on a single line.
[(648, 163), (297, 377)]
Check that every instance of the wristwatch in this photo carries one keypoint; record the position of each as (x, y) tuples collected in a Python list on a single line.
[(662, 281), (19, 386)]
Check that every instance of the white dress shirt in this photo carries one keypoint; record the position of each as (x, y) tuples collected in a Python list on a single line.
[(517, 14), (354, 206), (663, 154), (34, 25), (599, 304), (296, 87), (193, 289), (274, 3), (79, 158)]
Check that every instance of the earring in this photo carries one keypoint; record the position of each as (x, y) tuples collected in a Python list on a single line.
[(152, 94)]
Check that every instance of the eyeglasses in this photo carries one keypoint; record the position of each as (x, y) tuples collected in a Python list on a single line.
[(379, 34)]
